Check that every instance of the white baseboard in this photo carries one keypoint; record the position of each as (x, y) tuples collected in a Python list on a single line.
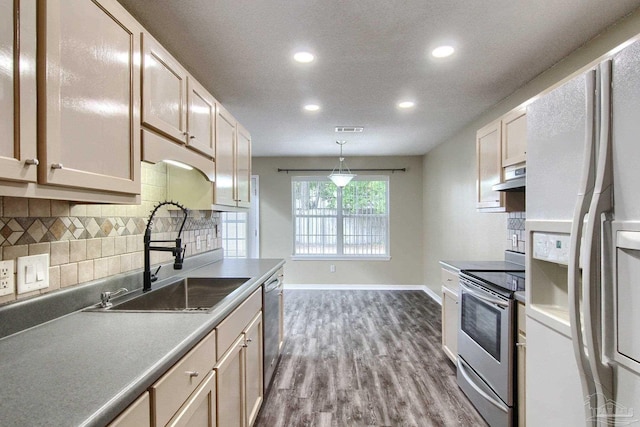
[(423, 288)]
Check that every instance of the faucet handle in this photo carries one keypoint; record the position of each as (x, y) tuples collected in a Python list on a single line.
[(154, 276), (179, 258), (105, 297)]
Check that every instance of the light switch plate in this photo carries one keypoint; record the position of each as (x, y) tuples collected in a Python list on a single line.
[(7, 278), (33, 273)]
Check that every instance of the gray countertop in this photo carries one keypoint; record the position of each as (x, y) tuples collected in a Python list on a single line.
[(86, 367), (457, 266)]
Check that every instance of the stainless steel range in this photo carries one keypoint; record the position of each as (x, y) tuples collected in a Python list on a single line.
[(486, 342)]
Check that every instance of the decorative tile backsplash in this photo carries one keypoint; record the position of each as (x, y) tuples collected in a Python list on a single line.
[(89, 242), (515, 227)]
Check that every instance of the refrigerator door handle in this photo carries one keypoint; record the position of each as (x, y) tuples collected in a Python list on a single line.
[(580, 211), (592, 287)]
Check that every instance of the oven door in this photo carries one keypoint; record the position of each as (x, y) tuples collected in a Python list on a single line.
[(485, 336)]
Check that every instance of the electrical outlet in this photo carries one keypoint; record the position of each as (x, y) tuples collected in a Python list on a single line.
[(514, 240), (33, 273), (209, 240), (198, 244), (7, 278), (332, 268)]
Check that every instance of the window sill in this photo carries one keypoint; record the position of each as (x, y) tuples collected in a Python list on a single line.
[(339, 258)]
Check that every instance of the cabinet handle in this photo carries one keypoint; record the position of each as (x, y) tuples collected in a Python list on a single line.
[(244, 345), (192, 374), (33, 162), (57, 166), (521, 344), (249, 340), (192, 137)]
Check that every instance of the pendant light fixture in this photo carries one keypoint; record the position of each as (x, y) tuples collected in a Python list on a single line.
[(343, 176)]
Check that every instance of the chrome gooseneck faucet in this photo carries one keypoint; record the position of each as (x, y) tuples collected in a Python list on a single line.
[(177, 250)]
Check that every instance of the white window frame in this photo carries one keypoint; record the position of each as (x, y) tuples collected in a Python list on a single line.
[(339, 218)]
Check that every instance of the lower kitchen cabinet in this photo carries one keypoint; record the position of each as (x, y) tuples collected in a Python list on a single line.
[(521, 346), (240, 369), (200, 409), (450, 314), (229, 371), (136, 415), (253, 369), (175, 388)]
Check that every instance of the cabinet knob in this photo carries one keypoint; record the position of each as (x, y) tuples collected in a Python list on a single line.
[(192, 137), (56, 166), (33, 162), (244, 345), (249, 340), (192, 374)]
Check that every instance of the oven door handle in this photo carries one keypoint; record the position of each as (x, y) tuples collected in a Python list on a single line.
[(483, 296)]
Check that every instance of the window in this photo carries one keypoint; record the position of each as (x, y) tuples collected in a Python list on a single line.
[(349, 222), (234, 234)]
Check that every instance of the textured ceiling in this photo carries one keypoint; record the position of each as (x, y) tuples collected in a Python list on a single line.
[(369, 55)]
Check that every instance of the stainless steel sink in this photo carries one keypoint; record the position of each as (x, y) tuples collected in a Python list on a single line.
[(195, 294)]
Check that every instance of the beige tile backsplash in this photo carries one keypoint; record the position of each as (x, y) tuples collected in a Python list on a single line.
[(89, 242)]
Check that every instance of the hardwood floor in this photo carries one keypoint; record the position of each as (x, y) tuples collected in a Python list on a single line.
[(364, 358)]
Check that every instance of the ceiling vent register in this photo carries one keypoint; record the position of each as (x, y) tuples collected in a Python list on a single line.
[(349, 129)]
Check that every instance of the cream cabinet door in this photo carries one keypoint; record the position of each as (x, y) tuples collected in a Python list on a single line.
[(243, 167), (201, 116), (89, 133), (164, 91), (489, 167), (450, 323), (225, 158), (18, 107), (200, 409), (514, 138), (254, 390), (136, 415), (230, 373)]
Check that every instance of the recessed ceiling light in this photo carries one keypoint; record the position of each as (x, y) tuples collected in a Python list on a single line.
[(312, 107), (442, 51), (406, 104), (303, 57)]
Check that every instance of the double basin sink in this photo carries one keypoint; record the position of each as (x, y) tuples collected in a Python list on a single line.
[(191, 294)]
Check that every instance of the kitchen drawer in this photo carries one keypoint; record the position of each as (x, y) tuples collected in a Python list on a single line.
[(172, 390), (450, 280), (522, 323), (230, 328)]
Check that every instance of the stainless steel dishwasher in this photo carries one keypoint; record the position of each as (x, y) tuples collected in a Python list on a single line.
[(272, 302)]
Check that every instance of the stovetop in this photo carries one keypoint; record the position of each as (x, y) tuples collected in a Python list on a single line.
[(508, 280)]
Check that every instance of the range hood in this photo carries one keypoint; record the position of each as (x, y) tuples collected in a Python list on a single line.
[(515, 179), (516, 184)]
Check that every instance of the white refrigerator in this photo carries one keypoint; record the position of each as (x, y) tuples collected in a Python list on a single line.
[(583, 259)]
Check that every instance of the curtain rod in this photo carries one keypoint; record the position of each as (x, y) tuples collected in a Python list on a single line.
[(355, 170)]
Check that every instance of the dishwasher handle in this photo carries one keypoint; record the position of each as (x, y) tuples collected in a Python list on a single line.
[(273, 283)]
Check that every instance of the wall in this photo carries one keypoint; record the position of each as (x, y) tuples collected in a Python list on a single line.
[(453, 230), (87, 242), (405, 218)]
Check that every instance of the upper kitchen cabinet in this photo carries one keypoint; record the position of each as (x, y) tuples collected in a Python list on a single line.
[(164, 91), (488, 157), (18, 105), (201, 118), (514, 137), (233, 161), (500, 150), (89, 96), (243, 167), (174, 103), (225, 156)]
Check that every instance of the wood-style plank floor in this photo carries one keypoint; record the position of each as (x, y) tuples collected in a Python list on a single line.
[(364, 358)]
